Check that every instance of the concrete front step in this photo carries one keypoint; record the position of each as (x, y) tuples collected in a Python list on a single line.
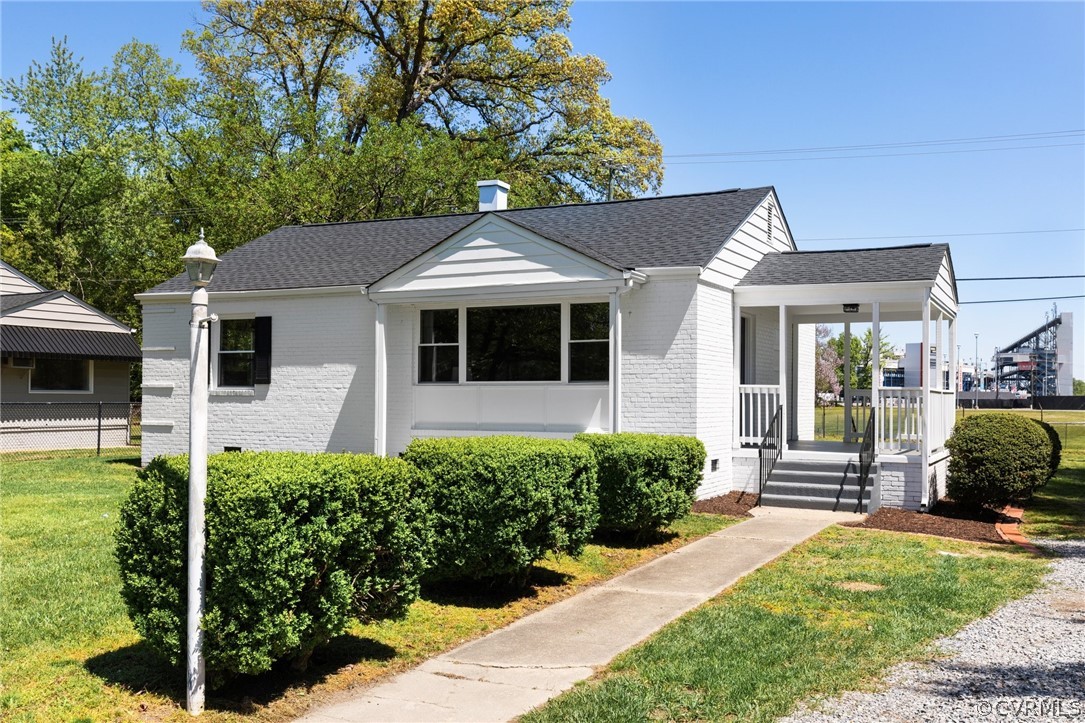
[(844, 504), (805, 488), (809, 465)]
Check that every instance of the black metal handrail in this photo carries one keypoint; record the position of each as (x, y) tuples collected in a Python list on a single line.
[(866, 456), (769, 451)]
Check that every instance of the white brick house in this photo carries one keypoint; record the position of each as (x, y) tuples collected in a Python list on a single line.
[(619, 316)]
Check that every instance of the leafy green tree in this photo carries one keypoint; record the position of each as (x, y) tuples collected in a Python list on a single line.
[(1079, 388), (861, 357)]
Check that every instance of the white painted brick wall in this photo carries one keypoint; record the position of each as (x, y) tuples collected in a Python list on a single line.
[(745, 471), (399, 339), (715, 393), (804, 381), (659, 358), (901, 484), (321, 392)]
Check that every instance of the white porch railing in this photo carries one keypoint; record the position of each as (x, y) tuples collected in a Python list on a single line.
[(942, 416), (900, 419), (756, 403), (859, 412)]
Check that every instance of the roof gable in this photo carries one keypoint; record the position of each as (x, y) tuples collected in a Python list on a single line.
[(494, 251), (57, 310), (13, 281), (666, 231)]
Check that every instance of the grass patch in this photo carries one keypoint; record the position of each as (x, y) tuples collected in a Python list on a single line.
[(1057, 510), (801, 627), (69, 652)]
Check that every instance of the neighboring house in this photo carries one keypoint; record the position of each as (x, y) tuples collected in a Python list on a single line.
[(60, 357), (653, 315)]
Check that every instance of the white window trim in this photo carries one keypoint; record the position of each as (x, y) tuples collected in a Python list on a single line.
[(462, 340), (213, 357), (90, 383)]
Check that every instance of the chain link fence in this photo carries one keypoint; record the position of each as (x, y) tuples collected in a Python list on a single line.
[(41, 430)]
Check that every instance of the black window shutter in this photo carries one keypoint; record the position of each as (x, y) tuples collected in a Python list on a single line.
[(262, 370)]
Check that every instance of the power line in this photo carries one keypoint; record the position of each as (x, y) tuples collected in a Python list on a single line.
[(1021, 278), (1009, 301), (942, 235), (1043, 135), (870, 155)]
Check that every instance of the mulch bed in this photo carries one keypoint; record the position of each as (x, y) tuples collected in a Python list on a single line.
[(947, 519), (736, 504)]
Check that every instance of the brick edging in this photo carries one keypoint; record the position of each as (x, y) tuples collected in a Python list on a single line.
[(1011, 531)]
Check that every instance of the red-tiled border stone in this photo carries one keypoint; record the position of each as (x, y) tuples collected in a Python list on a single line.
[(1011, 531)]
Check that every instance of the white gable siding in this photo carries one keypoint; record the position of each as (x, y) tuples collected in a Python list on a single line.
[(15, 283), (494, 254), (715, 377), (942, 293), (62, 313), (321, 392), (753, 239)]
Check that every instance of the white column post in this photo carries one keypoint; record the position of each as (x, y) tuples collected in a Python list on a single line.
[(847, 383), (380, 396), (876, 371), (784, 416), (736, 346), (939, 383), (925, 426), (197, 494), (615, 362), (953, 362)]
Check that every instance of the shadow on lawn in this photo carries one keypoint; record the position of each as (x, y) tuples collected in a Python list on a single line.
[(139, 668), (492, 593), (625, 540)]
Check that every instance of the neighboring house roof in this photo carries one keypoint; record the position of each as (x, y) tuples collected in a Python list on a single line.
[(921, 262), (67, 344), (12, 302), (664, 231)]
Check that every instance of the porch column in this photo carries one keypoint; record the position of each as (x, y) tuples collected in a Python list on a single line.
[(615, 362), (939, 382), (876, 372), (736, 346), (925, 446), (380, 396), (783, 377), (953, 361), (847, 383)]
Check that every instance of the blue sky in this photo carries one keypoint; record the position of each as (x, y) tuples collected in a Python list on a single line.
[(723, 77)]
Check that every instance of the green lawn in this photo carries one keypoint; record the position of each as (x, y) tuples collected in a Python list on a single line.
[(827, 617), (70, 653)]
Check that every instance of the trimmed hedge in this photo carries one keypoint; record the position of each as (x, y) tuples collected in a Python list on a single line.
[(646, 481), (1056, 447), (297, 545), (500, 503), (996, 459)]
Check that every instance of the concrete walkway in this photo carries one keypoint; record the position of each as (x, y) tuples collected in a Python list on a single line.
[(510, 671)]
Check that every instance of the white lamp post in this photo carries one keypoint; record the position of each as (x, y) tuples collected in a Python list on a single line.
[(200, 262)]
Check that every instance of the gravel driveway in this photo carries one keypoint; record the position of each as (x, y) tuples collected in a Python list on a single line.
[(1026, 662)]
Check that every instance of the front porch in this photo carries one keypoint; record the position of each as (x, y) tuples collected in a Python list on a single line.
[(904, 427)]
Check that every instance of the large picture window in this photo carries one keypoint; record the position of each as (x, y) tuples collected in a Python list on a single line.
[(61, 375), (589, 342), (439, 347), (514, 343)]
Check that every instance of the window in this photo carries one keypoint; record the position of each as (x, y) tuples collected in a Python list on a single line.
[(244, 352), (514, 343), (438, 347), (589, 342), (61, 375)]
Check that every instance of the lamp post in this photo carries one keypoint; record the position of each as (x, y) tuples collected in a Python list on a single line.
[(200, 262)]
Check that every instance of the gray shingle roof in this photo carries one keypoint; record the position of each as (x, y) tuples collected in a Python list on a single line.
[(11, 302), (900, 263), (68, 344), (642, 233)]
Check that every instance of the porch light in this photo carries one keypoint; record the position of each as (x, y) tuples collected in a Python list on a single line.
[(851, 308), (200, 262)]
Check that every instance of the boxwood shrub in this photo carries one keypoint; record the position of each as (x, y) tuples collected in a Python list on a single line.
[(1056, 447), (500, 503), (996, 459), (297, 546), (646, 481)]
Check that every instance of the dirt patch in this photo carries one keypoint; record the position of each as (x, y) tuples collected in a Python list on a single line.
[(945, 520), (857, 586), (736, 504)]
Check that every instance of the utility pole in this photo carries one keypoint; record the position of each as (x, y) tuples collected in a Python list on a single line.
[(610, 181)]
